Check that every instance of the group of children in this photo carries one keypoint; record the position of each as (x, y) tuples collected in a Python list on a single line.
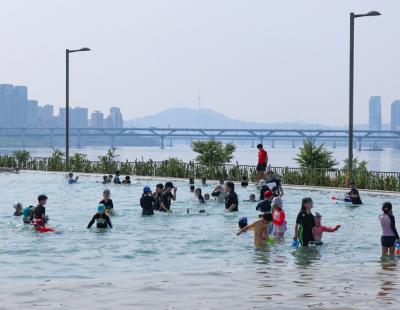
[(308, 229)]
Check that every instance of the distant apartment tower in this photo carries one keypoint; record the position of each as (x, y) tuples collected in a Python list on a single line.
[(395, 115), (375, 115), (97, 120), (78, 118), (13, 105), (32, 114), (46, 116), (114, 120)]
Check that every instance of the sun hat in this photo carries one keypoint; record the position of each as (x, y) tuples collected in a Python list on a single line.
[(268, 194)]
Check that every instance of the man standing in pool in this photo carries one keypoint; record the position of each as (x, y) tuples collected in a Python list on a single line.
[(262, 162), (231, 198), (354, 195), (167, 196)]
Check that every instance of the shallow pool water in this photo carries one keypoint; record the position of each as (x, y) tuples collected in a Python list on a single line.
[(172, 261)]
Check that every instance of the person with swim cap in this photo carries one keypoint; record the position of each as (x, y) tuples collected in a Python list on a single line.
[(71, 179), (278, 218), (101, 218), (167, 197), (147, 201), (265, 205), (40, 226), (18, 209), (107, 201), (319, 229), (260, 228)]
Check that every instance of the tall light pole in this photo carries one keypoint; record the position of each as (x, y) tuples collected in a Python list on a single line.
[(67, 52), (351, 84)]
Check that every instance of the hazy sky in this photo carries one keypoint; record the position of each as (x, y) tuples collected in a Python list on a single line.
[(254, 60)]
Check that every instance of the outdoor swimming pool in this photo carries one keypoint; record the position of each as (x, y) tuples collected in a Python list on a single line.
[(172, 261)]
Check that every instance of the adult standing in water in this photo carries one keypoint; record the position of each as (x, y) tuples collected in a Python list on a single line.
[(167, 196), (354, 195), (262, 162), (231, 198)]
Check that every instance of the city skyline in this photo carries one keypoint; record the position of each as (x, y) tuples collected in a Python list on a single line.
[(17, 110), (148, 57)]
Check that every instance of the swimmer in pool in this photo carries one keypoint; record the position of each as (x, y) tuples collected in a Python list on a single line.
[(252, 198), (147, 201), (260, 228), (107, 202), (71, 179), (18, 209), (157, 196), (278, 218), (207, 197), (199, 196), (116, 178), (28, 214), (245, 181), (167, 196), (192, 188), (127, 180), (319, 229), (101, 218), (105, 180), (204, 182), (219, 192)]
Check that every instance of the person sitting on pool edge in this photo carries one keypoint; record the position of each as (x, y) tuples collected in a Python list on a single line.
[(18, 209), (260, 228), (231, 198), (71, 179), (147, 202), (107, 202), (167, 197), (101, 218), (354, 195)]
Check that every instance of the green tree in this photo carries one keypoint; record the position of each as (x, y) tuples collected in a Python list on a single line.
[(213, 152), (357, 165), (22, 158), (56, 161), (312, 156), (108, 162)]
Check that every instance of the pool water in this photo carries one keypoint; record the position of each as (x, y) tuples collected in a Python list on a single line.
[(173, 261)]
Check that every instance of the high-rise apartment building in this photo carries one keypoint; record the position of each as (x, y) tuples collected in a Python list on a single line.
[(395, 115), (97, 120), (375, 115)]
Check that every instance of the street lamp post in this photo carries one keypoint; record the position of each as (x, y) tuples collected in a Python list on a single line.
[(67, 52), (351, 84)]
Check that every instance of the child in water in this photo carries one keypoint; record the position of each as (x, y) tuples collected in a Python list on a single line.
[(28, 214), (207, 197), (199, 195), (389, 231), (278, 216), (101, 218), (107, 202), (319, 229), (41, 227), (116, 178), (305, 222), (147, 202), (18, 209), (260, 228), (71, 179), (127, 180)]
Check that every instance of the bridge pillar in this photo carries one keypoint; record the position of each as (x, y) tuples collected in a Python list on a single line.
[(273, 143), (112, 140), (170, 142), (334, 144), (375, 146), (293, 144), (252, 143), (162, 138), (79, 139), (359, 145), (23, 137)]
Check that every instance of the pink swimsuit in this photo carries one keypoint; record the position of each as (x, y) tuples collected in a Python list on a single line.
[(319, 230)]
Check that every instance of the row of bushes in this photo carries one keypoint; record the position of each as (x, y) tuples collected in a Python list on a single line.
[(174, 167)]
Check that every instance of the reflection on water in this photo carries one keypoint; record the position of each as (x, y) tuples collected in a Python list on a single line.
[(389, 280), (306, 256)]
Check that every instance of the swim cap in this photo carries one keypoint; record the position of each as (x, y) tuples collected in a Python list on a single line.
[(17, 204), (146, 189), (242, 222), (277, 202), (262, 183), (268, 194), (26, 212), (101, 208)]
